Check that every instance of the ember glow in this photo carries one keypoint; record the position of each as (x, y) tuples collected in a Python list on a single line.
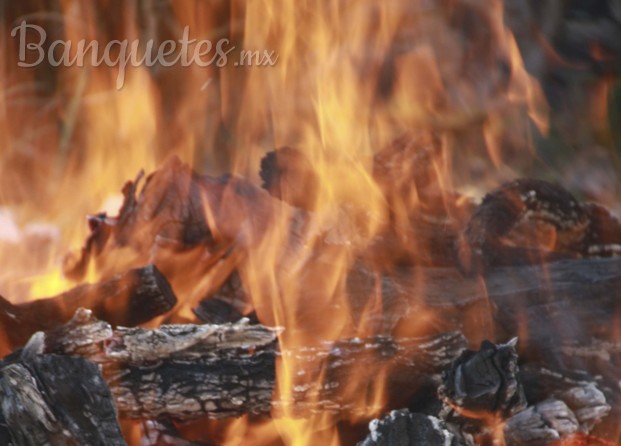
[(370, 117)]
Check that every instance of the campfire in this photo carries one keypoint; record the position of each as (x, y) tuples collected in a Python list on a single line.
[(310, 223)]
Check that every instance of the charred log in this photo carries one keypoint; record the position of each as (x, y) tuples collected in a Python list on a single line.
[(410, 362), (484, 388), (401, 427), (127, 299), (542, 424), (55, 400), (532, 221), (188, 371), (483, 383), (554, 308), (288, 175), (578, 390)]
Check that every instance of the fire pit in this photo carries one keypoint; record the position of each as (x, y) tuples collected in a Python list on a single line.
[(339, 223)]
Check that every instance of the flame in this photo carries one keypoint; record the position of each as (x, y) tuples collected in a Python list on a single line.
[(349, 77)]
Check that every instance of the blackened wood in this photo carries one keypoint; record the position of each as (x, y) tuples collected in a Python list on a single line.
[(547, 306), (288, 174), (533, 221), (181, 371), (402, 427), (484, 382), (164, 433), (187, 371), (56, 400), (127, 299), (578, 390), (407, 361), (228, 375), (542, 424), (220, 307)]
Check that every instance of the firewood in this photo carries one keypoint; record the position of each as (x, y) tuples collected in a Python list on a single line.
[(578, 390), (55, 400), (483, 383), (188, 371), (543, 424), (127, 299), (401, 427), (484, 388), (548, 306), (164, 433), (288, 174), (410, 361), (533, 221)]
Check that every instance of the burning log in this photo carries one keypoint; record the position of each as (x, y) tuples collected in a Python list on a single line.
[(187, 371), (483, 382), (533, 221), (127, 299), (578, 390), (411, 361), (183, 371), (401, 427), (561, 303), (56, 400), (484, 389), (542, 424)]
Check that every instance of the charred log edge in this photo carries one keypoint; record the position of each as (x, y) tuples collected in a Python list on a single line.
[(502, 209), (410, 361), (487, 385), (288, 174), (54, 399), (484, 381), (216, 311), (590, 229), (570, 299), (544, 423), (402, 427), (128, 299), (164, 433), (583, 394)]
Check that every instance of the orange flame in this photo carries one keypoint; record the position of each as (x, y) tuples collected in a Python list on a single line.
[(349, 77)]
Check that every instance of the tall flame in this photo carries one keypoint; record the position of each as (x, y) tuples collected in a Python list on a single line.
[(347, 77)]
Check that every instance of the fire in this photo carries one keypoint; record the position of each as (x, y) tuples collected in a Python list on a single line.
[(349, 77)]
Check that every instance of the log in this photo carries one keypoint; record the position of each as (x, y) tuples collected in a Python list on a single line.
[(354, 364), (483, 382), (564, 314), (189, 371), (547, 306), (401, 427), (127, 299), (55, 400), (483, 388), (542, 424)]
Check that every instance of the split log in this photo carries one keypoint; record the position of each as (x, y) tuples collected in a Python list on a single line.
[(127, 299), (55, 400)]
